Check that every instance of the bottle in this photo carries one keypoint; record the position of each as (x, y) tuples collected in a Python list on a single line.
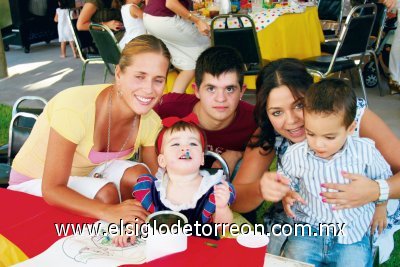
[(235, 6), (224, 6)]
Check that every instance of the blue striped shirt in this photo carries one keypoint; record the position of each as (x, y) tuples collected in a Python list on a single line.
[(281, 143), (307, 172)]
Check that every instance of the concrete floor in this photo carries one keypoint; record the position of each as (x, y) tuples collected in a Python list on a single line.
[(43, 73)]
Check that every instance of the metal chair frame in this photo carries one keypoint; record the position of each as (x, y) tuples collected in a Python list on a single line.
[(86, 59), (251, 66), (339, 55), (18, 102), (338, 17), (11, 130), (221, 160), (373, 50), (5, 168)]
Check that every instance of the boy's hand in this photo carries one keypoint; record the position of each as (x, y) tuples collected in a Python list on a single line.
[(222, 194), (289, 199), (379, 220), (123, 240)]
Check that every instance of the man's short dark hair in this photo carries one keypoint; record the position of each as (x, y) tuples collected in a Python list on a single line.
[(217, 60), (331, 96)]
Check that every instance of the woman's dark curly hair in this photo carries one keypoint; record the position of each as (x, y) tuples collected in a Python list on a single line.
[(289, 72)]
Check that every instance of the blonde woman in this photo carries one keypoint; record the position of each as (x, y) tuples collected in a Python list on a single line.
[(91, 131)]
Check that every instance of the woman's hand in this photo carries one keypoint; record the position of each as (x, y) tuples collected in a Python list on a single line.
[(129, 211), (360, 191), (288, 201), (177, 7), (203, 27), (274, 186), (114, 25), (390, 4)]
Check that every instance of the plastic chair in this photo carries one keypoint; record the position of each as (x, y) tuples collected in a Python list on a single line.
[(353, 42), (331, 10), (18, 133), (36, 107), (107, 45), (83, 43), (243, 39)]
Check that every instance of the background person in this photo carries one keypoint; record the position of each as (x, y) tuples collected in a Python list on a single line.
[(185, 35), (106, 12), (92, 130), (394, 60), (132, 17), (64, 31)]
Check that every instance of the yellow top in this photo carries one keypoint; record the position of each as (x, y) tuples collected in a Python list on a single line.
[(71, 113)]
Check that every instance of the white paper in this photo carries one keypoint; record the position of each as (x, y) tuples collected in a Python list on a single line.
[(86, 250)]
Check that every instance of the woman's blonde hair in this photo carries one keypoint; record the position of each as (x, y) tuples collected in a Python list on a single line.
[(142, 44)]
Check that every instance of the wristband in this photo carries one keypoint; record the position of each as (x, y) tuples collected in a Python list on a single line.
[(383, 191)]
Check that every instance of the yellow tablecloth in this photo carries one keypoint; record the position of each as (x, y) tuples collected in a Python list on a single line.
[(292, 35), (9, 253)]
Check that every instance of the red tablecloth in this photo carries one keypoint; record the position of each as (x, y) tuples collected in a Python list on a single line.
[(28, 221)]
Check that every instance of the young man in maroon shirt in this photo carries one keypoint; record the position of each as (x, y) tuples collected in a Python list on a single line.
[(227, 120)]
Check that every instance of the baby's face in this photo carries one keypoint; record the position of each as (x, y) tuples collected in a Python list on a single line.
[(326, 134), (181, 152)]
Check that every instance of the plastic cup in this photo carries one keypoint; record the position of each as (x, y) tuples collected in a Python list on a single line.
[(214, 10)]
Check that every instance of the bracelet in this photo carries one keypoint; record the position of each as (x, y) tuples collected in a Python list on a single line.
[(383, 191), (189, 16)]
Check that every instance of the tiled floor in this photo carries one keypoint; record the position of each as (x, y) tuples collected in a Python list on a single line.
[(42, 72)]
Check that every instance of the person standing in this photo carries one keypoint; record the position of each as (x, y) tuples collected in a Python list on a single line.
[(394, 59), (64, 31), (185, 35)]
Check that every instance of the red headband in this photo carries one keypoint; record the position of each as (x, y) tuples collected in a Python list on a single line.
[(171, 121)]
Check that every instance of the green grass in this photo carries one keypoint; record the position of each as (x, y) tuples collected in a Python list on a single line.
[(395, 256), (5, 118)]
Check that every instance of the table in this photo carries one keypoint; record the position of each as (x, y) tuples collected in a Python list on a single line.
[(292, 35), (295, 35), (27, 229), (27, 225)]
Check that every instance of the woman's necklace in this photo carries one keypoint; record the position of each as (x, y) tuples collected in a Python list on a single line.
[(109, 110)]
